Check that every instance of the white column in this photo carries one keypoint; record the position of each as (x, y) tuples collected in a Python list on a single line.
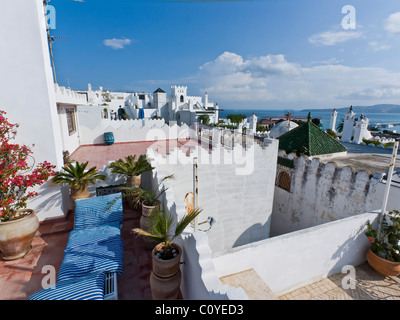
[(347, 132), (332, 124)]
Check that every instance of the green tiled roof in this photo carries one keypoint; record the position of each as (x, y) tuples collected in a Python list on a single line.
[(310, 140), (159, 91)]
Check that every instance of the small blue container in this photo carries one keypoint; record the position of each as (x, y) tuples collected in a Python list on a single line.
[(108, 138)]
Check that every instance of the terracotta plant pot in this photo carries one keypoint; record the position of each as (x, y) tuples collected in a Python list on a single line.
[(166, 268), (16, 235), (383, 266), (165, 288), (78, 193), (144, 224), (165, 279), (133, 181), (147, 210)]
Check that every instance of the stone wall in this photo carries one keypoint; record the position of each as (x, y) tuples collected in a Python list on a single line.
[(320, 193)]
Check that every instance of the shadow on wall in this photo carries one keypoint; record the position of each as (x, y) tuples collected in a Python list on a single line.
[(351, 253), (50, 197), (256, 232), (99, 139)]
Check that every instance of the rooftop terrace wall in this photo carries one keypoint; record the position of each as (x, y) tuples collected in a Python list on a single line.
[(235, 187), (321, 192), (296, 259), (92, 127)]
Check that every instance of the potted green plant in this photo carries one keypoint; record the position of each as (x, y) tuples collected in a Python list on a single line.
[(163, 229), (148, 198), (78, 178), (18, 225), (131, 168), (384, 253)]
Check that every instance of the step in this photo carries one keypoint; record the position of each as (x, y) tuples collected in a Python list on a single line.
[(251, 283)]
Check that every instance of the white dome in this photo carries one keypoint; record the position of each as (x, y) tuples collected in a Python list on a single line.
[(281, 128)]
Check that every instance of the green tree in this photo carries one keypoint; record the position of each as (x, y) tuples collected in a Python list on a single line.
[(236, 118), (204, 119)]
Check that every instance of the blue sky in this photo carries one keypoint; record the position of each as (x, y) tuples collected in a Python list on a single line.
[(260, 54)]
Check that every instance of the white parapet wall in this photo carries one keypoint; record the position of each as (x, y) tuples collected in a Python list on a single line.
[(235, 189), (199, 280), (93, 125), (296, 259), (320, 192), (67, 96)]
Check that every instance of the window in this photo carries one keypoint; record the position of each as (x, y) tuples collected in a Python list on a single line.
[(71, 121), (284, 181), (182, 99)]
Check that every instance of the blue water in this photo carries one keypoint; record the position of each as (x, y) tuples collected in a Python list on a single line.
[(325, 116)]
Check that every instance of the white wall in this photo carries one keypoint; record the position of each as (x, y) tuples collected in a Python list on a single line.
[(199, 280), (236, 188), (290, 261), (92, 128), (70, 141), (27, 90), (321, 193)]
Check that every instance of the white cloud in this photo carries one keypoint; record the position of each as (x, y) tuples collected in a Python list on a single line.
[(271, 80), (117, 44), (392, 23), (330, 38), (377, 46)]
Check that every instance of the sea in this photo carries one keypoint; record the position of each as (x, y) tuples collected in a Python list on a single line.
[(324, 116)]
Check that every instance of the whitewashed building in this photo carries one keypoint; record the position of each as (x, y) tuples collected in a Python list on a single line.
[(177, 106)]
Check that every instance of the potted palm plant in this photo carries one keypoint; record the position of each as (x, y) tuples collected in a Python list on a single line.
[(148, 199), (384, 253), (163, 229), (131, 169), (78, 179)]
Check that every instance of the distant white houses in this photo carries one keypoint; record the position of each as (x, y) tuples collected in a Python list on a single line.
[(354, 129), (177, 106)]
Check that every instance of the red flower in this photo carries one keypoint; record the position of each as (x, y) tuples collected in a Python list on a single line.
[(14, 179)]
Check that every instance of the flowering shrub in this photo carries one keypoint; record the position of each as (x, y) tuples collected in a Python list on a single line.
[(14, 177), (387, 245)]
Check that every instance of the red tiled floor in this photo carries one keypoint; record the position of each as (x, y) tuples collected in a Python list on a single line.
[(21, 278), (100, 154)]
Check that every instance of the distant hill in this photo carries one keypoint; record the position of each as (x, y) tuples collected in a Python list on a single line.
[(379, 108)]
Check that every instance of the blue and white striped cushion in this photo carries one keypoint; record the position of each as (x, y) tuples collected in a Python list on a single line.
[(98, 210), (93, 235), (89, 287), (81, 260)]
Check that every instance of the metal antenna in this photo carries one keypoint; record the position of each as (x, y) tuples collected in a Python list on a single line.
[(51, 38)]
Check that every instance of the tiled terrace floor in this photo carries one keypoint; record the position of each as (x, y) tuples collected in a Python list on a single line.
[(369, 285), (20, 278), (100, 154)]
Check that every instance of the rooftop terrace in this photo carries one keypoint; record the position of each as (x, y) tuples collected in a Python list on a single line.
[(21, 278)]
